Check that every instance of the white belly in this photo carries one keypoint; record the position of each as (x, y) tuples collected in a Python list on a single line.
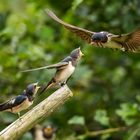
[(21, 107), (113, 45), (64, 74)]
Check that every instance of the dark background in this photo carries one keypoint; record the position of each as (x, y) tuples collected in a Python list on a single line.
[(106, 83)]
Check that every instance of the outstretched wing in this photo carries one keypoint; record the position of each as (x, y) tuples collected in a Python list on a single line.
[(12, 103), (82, 33), (58, 65), (130, 41)]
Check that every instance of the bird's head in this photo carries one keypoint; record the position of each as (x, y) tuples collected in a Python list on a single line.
[(32, 89), (100, 37), (48, 131), (76, 53)]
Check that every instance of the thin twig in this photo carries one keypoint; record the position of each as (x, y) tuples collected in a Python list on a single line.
[(106, 131), (102, 132)]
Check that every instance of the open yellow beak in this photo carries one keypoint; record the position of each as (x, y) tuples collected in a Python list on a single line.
[(81, 54), (38, 87)]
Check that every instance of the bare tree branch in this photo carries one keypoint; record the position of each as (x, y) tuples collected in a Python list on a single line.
[(38, 113)]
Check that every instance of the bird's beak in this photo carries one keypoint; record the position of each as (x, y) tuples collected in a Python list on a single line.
[(81, 54), (35, 84), (37, 87)]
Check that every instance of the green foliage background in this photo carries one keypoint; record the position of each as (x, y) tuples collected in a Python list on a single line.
[(106, 84)]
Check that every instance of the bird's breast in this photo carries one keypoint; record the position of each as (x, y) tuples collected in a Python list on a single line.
[(113, 45), (65, 73), (21, 107)]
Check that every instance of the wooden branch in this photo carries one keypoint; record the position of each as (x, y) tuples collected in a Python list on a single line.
[(38, 113)]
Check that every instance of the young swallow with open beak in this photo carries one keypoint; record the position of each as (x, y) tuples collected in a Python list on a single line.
[(49, 132), (64, 69), (125, 42), (22, 101)]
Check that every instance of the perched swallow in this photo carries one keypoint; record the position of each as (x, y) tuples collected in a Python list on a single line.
[(125, 42), (22, 101), (64, 69), (49, 132)]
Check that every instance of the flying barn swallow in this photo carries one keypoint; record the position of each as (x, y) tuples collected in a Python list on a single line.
[(125, 42), (64, 69), (22, 101)]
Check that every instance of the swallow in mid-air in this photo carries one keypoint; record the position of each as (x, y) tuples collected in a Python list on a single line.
[(64, 69), (22, 101), (125, 42)]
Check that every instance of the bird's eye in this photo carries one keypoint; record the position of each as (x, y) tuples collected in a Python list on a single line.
[(109, 35), (78, 51)]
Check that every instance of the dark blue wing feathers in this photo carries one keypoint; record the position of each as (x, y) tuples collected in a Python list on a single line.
[(13, 102)]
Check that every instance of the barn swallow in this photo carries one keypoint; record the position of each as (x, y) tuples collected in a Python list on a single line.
[(125, 42), (49, 132), (22, 101), (64, 69)]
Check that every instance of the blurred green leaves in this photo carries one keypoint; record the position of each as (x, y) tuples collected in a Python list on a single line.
[(128, 112), (105, 83), (118, 75), (101, 117), (79, 120), (76, 3)]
